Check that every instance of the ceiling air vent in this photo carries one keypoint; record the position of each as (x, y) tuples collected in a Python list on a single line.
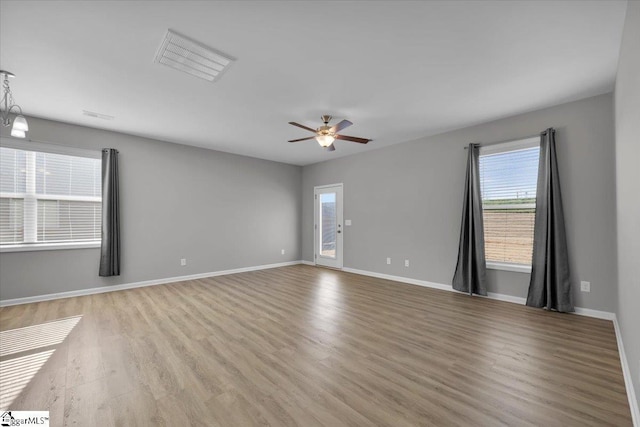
[(188, 56)]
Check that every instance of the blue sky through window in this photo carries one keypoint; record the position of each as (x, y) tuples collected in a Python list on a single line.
[(328, 198), (509, 175)]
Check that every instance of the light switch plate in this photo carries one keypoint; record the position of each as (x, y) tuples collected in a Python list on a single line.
[(585, 286), (347, 222)]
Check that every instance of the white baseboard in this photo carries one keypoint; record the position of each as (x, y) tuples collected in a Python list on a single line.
[(103, 289), (606, 315), (399, 279), (507, 298), (306, 262), (626, 372)]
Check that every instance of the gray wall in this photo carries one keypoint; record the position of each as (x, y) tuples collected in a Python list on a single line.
[(627, 113), (405, 201), (218, 210)]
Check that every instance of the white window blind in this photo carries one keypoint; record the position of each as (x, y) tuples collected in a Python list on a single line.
[(47, 197), (508, 180)]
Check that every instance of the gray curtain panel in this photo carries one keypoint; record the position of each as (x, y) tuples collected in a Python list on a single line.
[(471, 269), (550, 284), (110, 249)]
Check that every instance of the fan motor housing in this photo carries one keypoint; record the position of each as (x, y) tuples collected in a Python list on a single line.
[(324, 130)]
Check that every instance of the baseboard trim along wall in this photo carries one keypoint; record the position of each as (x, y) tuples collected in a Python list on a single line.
[(103, 289), (628, 382)]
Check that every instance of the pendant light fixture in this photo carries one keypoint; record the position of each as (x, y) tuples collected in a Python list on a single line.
[(20, 125), (325, 140)]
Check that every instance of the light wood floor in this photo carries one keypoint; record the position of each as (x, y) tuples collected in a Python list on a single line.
[(310, 347)]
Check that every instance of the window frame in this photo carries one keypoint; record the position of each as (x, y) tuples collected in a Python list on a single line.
[(505, 147), (29, 145)]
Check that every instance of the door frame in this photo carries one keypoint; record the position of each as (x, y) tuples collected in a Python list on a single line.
[(339, 223)]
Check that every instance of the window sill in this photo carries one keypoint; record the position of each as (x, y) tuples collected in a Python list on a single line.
[(48, 246), (518, 268)]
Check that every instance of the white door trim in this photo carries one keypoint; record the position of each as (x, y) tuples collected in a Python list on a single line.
[(340, 214)]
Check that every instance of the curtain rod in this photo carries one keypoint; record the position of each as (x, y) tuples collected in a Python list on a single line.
[(486, 144), (16, 143), (66, 146), (37, 141)]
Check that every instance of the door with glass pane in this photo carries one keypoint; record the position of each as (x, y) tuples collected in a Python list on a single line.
[(328, 225)]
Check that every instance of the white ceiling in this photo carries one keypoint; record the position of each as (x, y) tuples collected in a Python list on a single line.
[(397, 70)]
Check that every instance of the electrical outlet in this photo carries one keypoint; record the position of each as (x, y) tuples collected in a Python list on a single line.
[(388, 261), (406, 263), (585, 286), (183, 261), (282, 252)]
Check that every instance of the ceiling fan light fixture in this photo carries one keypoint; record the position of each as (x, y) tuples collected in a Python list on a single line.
[(326, 135), (325, 140)]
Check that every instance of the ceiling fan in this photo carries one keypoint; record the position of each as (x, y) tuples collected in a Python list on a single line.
[(325, 135)]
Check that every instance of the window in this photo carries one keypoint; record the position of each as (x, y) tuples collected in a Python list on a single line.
[(508, 180), (48, 199), (328, 221)]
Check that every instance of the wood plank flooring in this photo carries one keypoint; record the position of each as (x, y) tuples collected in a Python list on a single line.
[(306, 346)]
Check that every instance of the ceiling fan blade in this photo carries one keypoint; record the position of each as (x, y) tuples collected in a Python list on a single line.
[(331, 148), (302, 139), (339, 126), (302, 126), (353, 139)]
